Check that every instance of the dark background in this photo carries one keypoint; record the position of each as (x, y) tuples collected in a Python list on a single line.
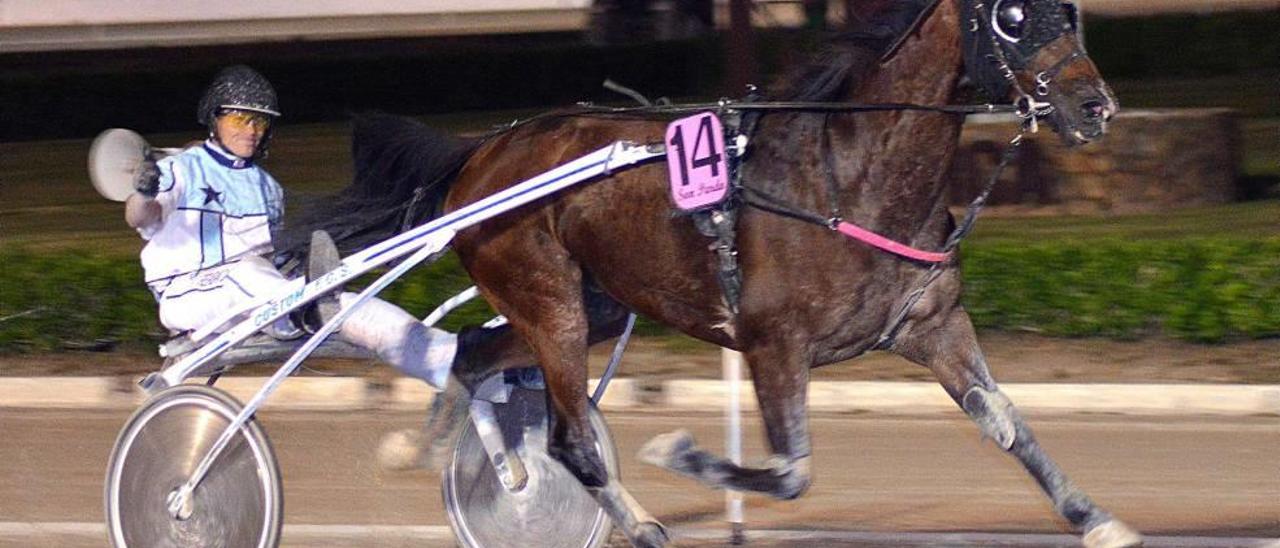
[(77, 94)]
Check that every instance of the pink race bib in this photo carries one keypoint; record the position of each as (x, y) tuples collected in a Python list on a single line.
[(696, 161)]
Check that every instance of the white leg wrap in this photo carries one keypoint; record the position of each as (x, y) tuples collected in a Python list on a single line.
[(400, 339), (994, 414)]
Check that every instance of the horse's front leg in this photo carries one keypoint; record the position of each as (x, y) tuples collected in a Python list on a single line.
[(430, 446), (481, 353), (945, 343), (781, 383)]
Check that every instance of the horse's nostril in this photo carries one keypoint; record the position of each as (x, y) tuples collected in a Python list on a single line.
[(1095, 109)]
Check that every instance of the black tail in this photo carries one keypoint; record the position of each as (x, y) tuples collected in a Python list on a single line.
[(402, 173)]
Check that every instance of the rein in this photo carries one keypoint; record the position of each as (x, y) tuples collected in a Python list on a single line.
[(1025, 106), (761, 200), (799, 106), (1026, 109)]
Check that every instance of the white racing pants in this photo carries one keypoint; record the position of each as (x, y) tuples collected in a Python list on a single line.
[(193, 300)]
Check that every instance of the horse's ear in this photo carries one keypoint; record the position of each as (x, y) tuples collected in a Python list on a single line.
[(922, 10)]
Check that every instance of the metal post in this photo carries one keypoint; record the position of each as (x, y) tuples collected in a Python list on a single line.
[(731, 361)]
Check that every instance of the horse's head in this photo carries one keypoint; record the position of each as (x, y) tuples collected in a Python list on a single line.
[(1030, 51)]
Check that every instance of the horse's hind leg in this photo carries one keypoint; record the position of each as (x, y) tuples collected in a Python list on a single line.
[(544, 301), (945, 343), (780, 377), (482, 351)]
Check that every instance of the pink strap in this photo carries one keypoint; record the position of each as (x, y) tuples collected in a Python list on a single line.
[(876, 240)]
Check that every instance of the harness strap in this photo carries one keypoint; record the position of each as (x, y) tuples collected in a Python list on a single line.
[(961, 230), (833, 187), (764, 201), (875, 240), (720, 222), (761, 200)]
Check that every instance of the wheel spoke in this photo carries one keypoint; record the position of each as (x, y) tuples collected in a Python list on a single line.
[(237, 504), (551, 509)]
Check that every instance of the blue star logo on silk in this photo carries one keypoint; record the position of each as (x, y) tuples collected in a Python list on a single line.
[(211, 195)]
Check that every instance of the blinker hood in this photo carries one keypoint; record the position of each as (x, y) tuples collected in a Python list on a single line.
[(1037, 22)]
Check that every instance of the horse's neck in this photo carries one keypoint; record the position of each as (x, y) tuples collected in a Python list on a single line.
[(891, 166), (924, 69)]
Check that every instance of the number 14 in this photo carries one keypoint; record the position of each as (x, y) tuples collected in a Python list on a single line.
[(712, 157)]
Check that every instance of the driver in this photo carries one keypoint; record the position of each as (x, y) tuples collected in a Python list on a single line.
[(208, 215)]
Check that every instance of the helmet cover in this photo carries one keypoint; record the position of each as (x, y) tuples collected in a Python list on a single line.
[(237, 87)]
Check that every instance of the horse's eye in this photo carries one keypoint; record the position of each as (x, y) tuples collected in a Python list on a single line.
[(1009, 18)]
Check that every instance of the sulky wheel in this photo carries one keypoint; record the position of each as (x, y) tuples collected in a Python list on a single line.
[(552, 509), (239, 502)]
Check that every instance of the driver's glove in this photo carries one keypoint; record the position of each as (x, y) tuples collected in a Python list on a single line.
[(146, 176)]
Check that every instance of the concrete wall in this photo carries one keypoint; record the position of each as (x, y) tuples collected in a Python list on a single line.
[(1150, 161)]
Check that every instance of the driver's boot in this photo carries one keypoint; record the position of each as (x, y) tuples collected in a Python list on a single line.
[(322, 258)]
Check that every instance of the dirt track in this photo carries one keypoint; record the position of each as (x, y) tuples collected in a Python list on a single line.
[(1164, 477)]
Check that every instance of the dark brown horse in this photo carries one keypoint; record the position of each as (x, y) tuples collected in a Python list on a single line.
[(565, 270)]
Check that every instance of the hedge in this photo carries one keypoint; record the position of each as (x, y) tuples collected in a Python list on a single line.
[(1201, 290), (50, 301), (1209, 290)]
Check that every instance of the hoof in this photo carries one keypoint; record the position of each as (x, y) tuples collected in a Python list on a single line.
[(1112, 534), (401, 450), (650, 534), (661, 451)]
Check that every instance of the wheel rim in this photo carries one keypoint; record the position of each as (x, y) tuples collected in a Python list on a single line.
[(236, 504), (551, 510)]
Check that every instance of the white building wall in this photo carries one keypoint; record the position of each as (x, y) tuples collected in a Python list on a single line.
[(27, 13), (43, 25), (47, 25)]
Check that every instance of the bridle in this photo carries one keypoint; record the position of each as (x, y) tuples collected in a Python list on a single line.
[(987, 48), (990, 58)]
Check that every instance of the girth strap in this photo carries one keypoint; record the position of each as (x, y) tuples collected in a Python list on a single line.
[(721, 223)]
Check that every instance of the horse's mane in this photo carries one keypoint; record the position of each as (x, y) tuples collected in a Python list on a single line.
[(830, 74), (402, 170)]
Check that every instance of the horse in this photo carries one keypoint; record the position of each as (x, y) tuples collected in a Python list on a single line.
[(566, 270)]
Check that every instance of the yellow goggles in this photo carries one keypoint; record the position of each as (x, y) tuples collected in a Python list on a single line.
[(244, 119)]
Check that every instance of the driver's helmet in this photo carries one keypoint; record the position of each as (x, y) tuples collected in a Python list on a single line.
[(237, 87)]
